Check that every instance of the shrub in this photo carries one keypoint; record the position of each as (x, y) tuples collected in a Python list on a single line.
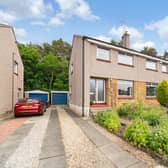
[(130, 110), (109, 119), (157, 140), (127, 108), (136, 133), (163, 122), (162, 93), (152, 115)]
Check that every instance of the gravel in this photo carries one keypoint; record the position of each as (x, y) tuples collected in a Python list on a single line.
[(27, 154), (80, 151)]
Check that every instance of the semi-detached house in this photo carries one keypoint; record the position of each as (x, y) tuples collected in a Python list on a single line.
[(105, 75), (11, 70)]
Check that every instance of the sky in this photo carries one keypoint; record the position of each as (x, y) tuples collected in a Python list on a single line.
[(40, 21)]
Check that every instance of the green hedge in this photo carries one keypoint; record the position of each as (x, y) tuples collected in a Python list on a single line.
[(108, 119)]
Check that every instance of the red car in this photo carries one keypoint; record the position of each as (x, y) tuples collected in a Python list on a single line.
[(29, 106)]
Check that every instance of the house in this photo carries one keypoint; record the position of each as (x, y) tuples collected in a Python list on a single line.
[(102, 74), (11, 70)]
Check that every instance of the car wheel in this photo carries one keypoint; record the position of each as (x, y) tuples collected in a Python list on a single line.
[(16, 116), (42, 112)]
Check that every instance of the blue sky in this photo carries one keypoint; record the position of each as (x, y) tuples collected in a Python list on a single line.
[(39, 21)]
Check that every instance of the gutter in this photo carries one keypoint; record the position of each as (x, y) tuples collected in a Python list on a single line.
[(83, 76)]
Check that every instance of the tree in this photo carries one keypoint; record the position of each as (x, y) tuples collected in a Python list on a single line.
[(43, 68), (165, 55), (162, 93), (50, 66), (61, 48), (149, 51), (30, 56), (115, 42)]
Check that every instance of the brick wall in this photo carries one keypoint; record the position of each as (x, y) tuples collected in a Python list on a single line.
[(113, 100)]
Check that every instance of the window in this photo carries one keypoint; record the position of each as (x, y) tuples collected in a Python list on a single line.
[(125, 59), (15, 67), (125, 88), (164, 68), (150, 65), (151, 89), (103, 54)]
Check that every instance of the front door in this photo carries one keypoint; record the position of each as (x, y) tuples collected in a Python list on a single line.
[(97, 90)]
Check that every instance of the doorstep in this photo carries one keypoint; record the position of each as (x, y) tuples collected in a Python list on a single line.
[(98, 107)]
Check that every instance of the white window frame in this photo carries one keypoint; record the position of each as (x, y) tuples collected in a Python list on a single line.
[(103, 54), (125, 59), (132, 93), (166, 68), (151, 65), (150, 84), (15, 67)]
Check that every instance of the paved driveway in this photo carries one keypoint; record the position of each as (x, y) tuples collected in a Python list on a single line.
[(60, 139)]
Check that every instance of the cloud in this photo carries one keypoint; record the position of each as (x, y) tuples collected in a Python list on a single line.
[(137, 41), (6, 17), (20, 32), (79, 8), (55, 21), (160, 27), (140, 45), (69, 9), (41, 12), (104, 38), (26, 8), (135, 34), (38, 23)]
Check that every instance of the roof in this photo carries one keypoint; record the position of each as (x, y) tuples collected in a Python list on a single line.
[(5, 25), (124, 49), (37, 91)]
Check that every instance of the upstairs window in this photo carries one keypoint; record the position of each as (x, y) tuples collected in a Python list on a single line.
[(164, 68), (15, 67), (125, 59), (151, 89), (103, 54), (151, 65)]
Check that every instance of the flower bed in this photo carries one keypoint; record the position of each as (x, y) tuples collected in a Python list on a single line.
[(143, 127)]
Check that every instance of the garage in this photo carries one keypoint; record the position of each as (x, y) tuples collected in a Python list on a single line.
[(59, 97), (44, 96)]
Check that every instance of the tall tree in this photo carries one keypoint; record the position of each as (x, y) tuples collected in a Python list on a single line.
[(149, 51), (43, 68), (61, 48), (30, 56), (165, 55)]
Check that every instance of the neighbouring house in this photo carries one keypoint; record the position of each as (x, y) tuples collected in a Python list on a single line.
[(11, 70), (102, 74)]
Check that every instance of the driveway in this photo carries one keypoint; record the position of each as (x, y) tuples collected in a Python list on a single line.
[(60, 139)]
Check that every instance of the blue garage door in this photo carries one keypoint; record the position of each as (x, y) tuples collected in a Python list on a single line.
[(42, 96), (59, 98)]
